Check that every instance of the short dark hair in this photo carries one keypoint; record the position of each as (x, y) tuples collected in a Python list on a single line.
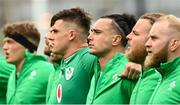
[(24, 30), (76, 15), (123, 24)]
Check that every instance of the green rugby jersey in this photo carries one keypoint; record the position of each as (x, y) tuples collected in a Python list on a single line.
[(5, 71), (168, 88), (29, 87), (107, 87), (70, 83), (145, 86)]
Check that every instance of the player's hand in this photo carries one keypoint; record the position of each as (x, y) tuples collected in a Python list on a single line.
[(131, 71)]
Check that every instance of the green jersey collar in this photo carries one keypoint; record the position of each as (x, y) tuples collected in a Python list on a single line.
[(31, 56), (166, 68)]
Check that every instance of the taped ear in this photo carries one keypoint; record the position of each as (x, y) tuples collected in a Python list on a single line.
[(174, 44), (116, 40)]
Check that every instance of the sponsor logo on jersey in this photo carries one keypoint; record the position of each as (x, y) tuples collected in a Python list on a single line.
[(59, 93), (69, 73)]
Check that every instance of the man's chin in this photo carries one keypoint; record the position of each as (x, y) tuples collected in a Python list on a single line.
[(47, 53), (151, 61), (91, 51), (127, 52), (148, 62), (130, 56), (9, 61)]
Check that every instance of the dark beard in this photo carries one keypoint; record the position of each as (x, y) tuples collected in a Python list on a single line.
[(47, 51), (156, 59), (137, 56)]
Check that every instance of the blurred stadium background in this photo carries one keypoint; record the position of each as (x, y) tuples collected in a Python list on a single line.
[(40, 11)]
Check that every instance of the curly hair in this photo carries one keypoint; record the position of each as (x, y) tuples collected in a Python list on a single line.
[(26, 29)]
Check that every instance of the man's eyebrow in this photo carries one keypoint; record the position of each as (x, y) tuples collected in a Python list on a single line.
[(151, 36), (96, 30), (52, 29), (135, 32)]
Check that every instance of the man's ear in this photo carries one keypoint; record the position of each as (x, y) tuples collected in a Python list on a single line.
[(116, 40), (174, 44), (72, 34)]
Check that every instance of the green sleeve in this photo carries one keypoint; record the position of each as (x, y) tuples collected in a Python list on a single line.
[(5, 71)]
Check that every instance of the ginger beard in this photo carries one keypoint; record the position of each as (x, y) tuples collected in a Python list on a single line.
[(154, 60), (137, 55)]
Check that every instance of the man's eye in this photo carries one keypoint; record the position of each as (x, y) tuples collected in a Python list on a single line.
[(135, 33), (97, 32), (53, 31)]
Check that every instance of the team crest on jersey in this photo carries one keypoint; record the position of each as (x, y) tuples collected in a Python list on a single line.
[(59, 93), (69, 73), (115, 77), (172, 85), (33, 74)]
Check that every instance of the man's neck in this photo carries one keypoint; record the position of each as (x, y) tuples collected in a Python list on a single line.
[(103, 60), (172, 56), (72, 49), (19, 65)]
